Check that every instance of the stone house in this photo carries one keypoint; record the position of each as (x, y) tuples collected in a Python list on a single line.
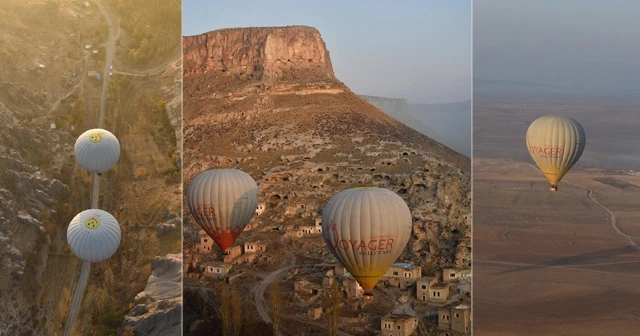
[(438, 291), (452, 274), (215, 270), (398, 325), (231, 253), (315, 312), (456, 318), (429, 289), (402, 275), (254, 247), (206, 243)]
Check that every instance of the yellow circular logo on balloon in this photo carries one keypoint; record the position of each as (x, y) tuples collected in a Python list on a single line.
[(92, 223), (95, 137)]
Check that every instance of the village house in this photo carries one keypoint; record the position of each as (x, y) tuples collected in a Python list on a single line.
[(215, 270), (431, 290), (206, 243), (422, 288), (402, 275), (315, 312), (398, 325), (452, 274), (313, 229), (456, 318), (231, 253), (254, 247), (438, 291)]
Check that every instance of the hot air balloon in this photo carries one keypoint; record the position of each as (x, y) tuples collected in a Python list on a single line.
[(93, 235), (222, 201), (97, 150), (555, 144), (366, 229)]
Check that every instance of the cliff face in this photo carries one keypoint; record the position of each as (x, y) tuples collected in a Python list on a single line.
[(256, 51)]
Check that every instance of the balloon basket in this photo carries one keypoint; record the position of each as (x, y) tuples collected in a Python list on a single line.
[(368, 297), (553, 188)]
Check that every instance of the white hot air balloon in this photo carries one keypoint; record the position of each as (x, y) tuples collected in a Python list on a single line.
[(97, 150), (93, 235), (222, 201), (366, 229), (555, 144)]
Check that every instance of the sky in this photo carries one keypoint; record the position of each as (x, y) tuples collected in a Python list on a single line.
[(418, 50), (585, 45)]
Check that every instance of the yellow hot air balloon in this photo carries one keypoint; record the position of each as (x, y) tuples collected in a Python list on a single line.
[(222, 201), (366, 229), (555, 144)]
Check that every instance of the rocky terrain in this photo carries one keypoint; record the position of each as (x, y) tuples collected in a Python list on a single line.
[(29, 213), (48, 94), (36, 191), (158, 309), (266, 101)]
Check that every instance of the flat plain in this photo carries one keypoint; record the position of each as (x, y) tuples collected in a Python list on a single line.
[(565, 263)]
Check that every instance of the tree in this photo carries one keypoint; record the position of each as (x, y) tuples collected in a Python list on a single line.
[(275, 301), (236, 307), (226, 310), (331, 304)]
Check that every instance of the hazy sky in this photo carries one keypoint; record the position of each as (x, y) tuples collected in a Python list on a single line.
[(419, 50), (583, 44)]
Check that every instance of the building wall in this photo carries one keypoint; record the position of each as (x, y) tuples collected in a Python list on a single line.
[(460, 320), (444, 319), (398, 327), (438, 294)]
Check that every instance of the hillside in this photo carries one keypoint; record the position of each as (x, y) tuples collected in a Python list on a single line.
[(449, 124), (266, 101)]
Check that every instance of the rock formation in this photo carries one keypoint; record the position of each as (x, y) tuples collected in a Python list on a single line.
[(256, 50), (158, 309)]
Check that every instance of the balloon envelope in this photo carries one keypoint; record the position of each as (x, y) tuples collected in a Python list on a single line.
[(222, 201), (93, 235), (366, 229), (97, 150), (555, 144)]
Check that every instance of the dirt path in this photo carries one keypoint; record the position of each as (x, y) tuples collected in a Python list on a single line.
[(260, 289), (54, 106), (613, 221)]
